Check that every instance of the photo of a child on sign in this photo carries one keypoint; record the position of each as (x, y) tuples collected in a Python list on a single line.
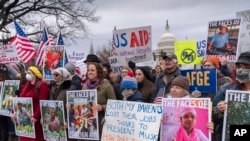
[(222, 40)]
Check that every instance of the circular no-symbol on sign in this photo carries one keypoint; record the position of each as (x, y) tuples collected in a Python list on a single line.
[(188, 56)]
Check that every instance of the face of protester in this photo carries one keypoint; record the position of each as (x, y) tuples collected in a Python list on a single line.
[(170, 63), (208, 65), (158, 69), (139, 76), (92, 72), (124, 72), (105, 71), (57, 77), (177, 91), (112, 77), (188, 121), (223, 31)]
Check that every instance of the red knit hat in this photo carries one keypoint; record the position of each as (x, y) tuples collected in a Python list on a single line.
[(213, 60)]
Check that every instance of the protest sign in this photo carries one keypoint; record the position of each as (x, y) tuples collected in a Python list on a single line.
[(237, 111), (23, 111), (8, 54), (204, 80), (1, 94), (53, 59), (201, 48), (151, 64), (223, 39), (73, 56), (178, 113), (9, 91), (186, 52), (244, 39), (131, 121), (82, 114), (52, 113), (116, 64), (133, 44)]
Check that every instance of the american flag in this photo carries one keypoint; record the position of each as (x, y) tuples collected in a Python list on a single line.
[(61, 42), (51, 40), (45, 41), (25, 49)]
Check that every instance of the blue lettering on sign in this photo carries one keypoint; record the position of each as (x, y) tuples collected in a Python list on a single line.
[(201, 48), (149, 108), (144, 135), (122, 41), (148, 119)]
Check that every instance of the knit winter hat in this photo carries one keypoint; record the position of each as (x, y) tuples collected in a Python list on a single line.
[(213, 60), (182, 82), (129, 81), (70, 67), (63, 72), (36, 72)]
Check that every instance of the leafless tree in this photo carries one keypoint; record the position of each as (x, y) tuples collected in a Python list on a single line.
[(68, 16), (105, 52)]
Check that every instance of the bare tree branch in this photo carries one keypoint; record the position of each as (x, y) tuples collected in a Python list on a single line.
[(68, 16)]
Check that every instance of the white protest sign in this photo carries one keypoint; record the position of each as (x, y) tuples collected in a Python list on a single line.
[(133, 44), (8, 54), (131, 121), (244, 42), (151, 64)]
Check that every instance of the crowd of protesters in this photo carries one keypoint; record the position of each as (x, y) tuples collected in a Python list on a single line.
[(141, 84)]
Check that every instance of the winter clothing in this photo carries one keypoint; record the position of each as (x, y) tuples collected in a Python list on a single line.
[(213, 60), (63, 72), (182, 82), (36, 72), (129, 83), (70, 67), (29, 90), (59, 92), (244, 58), (92, 58), (138, 97), (165, 79), (170, 55), (217, 116), (105, 91)]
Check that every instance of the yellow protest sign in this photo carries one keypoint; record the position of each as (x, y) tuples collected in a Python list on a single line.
[(186, 52)]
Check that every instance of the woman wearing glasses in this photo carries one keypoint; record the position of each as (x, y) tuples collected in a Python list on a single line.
[(62, 83)]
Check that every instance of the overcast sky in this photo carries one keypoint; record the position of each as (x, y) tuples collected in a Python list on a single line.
[(186, 18)]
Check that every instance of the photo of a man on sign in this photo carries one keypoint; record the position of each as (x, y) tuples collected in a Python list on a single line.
[(222, 41)]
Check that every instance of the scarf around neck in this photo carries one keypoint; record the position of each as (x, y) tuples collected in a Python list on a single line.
[(92, 84), (182, 135)]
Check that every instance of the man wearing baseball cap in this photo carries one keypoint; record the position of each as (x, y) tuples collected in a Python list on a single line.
[(166, 77)]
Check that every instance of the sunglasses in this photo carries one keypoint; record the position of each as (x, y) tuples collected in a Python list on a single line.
[(56, 75)]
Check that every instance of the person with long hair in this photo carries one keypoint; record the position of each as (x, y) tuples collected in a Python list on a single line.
[(145, 84), (105, 91)]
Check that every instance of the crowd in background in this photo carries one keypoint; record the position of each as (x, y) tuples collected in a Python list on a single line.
[(141, 84)]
